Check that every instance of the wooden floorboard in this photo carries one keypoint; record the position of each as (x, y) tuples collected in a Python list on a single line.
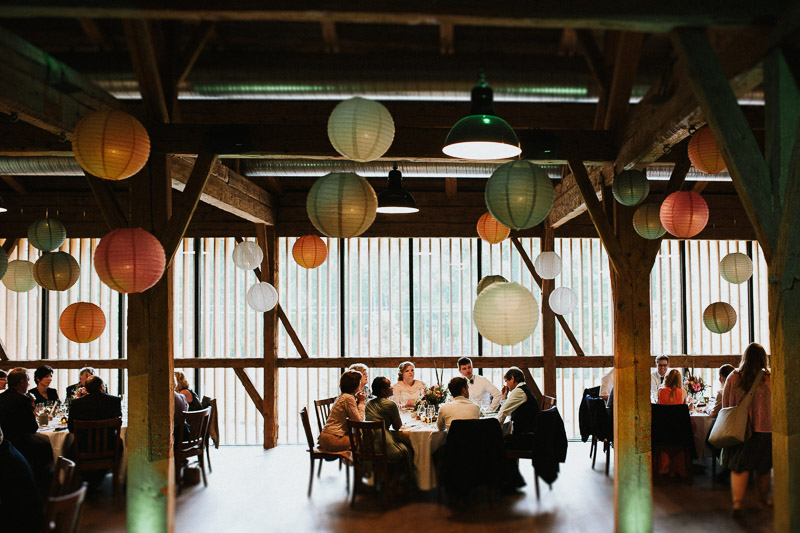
[(256, 490)]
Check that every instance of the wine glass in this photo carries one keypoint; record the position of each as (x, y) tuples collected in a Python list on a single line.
[(420, 411), (429, 411)]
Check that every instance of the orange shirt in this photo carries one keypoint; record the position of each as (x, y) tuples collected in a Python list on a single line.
[(669, 396)]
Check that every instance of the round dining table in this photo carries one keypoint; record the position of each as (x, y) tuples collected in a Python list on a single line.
[(425, 439), (57, 434)]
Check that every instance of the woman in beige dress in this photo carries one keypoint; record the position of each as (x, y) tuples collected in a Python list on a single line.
[(407, 389)]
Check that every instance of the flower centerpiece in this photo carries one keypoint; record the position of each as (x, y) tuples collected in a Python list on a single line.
[(694, 385), (435, 394)]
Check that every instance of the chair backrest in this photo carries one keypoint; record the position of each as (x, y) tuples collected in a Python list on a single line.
[(64, 512), (307, 428), (468, 440), (192, 438), (601, 423), (671, 425), (323, 410), (213, 424), (64, 479), (547, 402), (367, 441), (97, 440)]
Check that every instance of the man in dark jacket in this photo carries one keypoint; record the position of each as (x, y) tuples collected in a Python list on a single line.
[(96, 405)]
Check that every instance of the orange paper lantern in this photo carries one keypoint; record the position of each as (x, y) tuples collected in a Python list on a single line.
[(129, 260), (684, 214), (491, 231), (82, 322), (309, 251), (704, 153), (110, 144)]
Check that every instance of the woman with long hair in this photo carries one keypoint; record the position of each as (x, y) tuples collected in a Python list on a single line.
[(672, 393), (182, 387), (349, 404), (756, 453)]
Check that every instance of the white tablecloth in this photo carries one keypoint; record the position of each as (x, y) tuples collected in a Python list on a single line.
[(425, 439), (58, 436), (701, 424)]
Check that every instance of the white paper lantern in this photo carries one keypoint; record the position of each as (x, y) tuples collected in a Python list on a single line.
[(247, 255), (563, 300), (736, 267), (341, 205), (488, 280), (262, 297), (505, 313), (19, 276), (361, 129), (548, 265)]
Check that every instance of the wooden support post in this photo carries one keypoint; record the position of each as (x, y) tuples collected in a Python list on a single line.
[(151, 467), (548, 321), (267, 239)]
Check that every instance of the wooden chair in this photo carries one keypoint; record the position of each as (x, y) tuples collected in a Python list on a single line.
[(64, 479), (64, 512), (547, 402), (212, 432), (191, 442), (602, 430), (368, 445), (671, 432), (316, 454), (322, 408), (98, 446)]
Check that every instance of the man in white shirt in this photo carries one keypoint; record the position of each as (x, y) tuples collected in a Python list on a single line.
[(460, 408), (657, 376), (522, 406), (480, 388)]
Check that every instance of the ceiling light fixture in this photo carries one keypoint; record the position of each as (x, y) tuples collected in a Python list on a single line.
[(395, 199), (482, 134), (3, 206)]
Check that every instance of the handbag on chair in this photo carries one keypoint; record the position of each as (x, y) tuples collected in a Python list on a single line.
[(732, 426)]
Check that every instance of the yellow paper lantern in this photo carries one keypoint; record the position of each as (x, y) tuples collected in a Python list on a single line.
[(719, 317), (647, 221), (56, 271), (492, 231), (736, 267), (361, 129), (341, 205), (82, 322), (309, 251), (110, 144), (505, 313), (704, 153), (19, 276)]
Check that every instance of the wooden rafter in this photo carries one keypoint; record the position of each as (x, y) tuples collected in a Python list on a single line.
[(109, 206), (446, 38), (3, 354), (329, 36), (626, 63), (594, 59), (193, 50), (10, 245), (250, 389), (139, 35), (15, 184), (95, 35)]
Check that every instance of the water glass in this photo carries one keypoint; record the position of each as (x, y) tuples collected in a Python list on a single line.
[(429, 411)]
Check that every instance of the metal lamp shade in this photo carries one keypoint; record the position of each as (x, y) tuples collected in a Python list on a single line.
[(488, 280), (719, 317), (47, 234), (395, 199), (3, 262), (548, 265), (684, 214), (309, 251), (110, 144), (247, 255), (563, 300), (704, 153), (262, 297), (361, 129), (482, 137), (630, 187), (736, 267), (19, 276), (519, 194), (491, 231), (129, 260), (647, 221), (56, 271), (341, 205), (82, 322), (505, 313)]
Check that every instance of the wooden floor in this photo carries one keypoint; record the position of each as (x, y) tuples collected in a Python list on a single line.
[(256, 490)]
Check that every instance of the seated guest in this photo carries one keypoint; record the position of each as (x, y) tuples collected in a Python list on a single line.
[(657, 376), (334, 436), (382, 408), (183, 389), (72, 390), (364, 369), (181, 405), (672, 393), (460, 408), (522, 406), (481, 389), (96, 405), (43, 376), (606, 386), (3, 377), (20, 506), (724, 372), (407, 389)]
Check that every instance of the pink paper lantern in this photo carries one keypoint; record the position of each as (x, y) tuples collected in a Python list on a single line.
[(129, 260), (684, 214)]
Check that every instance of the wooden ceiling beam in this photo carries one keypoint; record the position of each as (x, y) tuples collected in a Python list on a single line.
[(329, 36), (594, 58), (146, 59), (15, 184), (192, 52), (626, 63), (447, 45), (95, 35)]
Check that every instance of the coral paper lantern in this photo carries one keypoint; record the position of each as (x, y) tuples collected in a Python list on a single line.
[(262, 297), (110, 144), (82, 322), (704, 153), (505, 313), (491, 231), (309, 251), (247, 255), (684, 214), (647, 221), (563, 300), (3, 262), (341, 205), (719, 317), (548, 265), (361, 129), (56, 271), (630, 187), (19, 276), (519, 194), (736, 267), (129, 260), (47, 234), (488, 280)]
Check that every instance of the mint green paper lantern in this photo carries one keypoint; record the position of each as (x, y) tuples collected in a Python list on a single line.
[(19, 277), (630, 187), (519, 194), (47, 234), (3, 262)]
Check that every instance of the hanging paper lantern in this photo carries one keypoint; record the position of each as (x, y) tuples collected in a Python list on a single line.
[(519, 194), (56, 271), (548, 265), (47, 234), (630, 187), (341, 204), (647, 221), (110, 144), (361, 129), (563, 300), (488, 280), (3, 262), (491, 231), (19, 276), (129, 260), (262, 297), (704, 153), (505, 313), (82, 322), (719, 317), (736, 267), (684, 214), (309, 251), (247, 255)]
